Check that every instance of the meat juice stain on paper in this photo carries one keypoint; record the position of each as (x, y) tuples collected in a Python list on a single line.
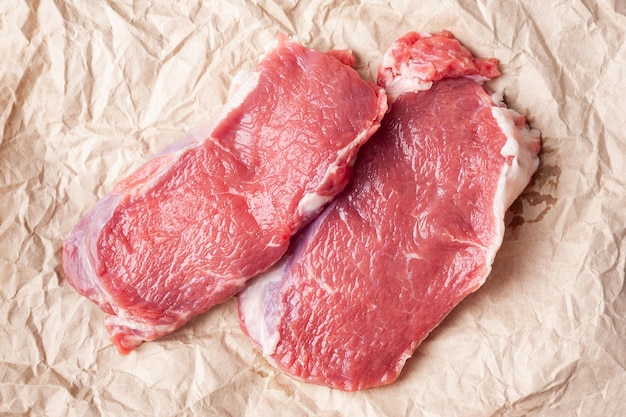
[(540, 196)]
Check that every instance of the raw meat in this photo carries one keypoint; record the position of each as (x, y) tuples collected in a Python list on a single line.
[(187, 230), (415, 231)]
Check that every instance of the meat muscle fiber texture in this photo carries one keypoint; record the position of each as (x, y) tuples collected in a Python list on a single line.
[(415, 231), (192, 225)]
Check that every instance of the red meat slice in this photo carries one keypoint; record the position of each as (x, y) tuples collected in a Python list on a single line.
[(415, 231), (189, 228)]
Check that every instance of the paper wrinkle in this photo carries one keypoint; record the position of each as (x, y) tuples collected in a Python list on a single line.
[(539, 399), (89, 91)]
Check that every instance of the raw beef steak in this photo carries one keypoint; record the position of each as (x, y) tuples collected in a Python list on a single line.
[(187, 230), (415, 231)]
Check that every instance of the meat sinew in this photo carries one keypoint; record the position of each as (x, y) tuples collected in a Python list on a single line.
[(192, 225), (415, 231)]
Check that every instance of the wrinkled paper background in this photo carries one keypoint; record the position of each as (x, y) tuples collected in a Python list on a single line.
[(89, 90)]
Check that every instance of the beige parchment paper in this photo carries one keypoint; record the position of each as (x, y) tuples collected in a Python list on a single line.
[(89, 90)]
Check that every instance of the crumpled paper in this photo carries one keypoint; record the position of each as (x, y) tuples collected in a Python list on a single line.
[(91, 90)]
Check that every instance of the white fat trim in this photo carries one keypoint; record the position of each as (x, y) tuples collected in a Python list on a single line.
[(238, 81), (520, 144), (252, 308), (311, 202), (144, 331), (244, 82), (269, 47), (497, 97), (480, 79), (87, 250), (401, 85)]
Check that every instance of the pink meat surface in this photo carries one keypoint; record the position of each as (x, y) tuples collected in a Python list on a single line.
[(415, 231), (192, 225)]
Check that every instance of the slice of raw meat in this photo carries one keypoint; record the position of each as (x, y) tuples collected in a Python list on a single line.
[(187, 230), (415, 231)]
